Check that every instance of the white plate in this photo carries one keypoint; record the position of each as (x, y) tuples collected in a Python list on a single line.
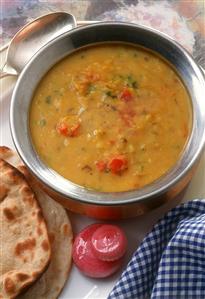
[(79, 286)]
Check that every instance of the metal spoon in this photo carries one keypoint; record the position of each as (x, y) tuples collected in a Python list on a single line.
[(32, 37)]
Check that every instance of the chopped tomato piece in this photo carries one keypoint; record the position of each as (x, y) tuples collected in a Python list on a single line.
[(118, 164), (74, 130), (65, 130), (126, 95), (101, 165), (62, 129)]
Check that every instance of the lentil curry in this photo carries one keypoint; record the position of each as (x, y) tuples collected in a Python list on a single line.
[(112, 117)]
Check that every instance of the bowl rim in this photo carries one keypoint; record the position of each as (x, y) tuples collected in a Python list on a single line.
[(86, 195)]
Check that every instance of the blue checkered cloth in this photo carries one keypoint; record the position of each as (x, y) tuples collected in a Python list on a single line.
[(170, 262)]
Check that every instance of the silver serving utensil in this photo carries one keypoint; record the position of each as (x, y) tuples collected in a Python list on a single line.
[(32, 37)]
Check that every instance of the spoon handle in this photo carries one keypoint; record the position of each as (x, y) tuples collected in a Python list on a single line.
[(5, 74), (7, 71), (203, 71)]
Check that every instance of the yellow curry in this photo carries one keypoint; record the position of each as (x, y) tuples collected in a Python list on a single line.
[(112, 117)]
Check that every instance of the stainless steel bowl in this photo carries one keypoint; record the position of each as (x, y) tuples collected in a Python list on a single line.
[(75, 197)]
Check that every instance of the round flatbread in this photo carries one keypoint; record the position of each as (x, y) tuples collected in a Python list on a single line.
[(25, 247), (50, 284), (53, 279)]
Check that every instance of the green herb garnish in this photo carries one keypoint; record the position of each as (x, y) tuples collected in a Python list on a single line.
[(91, 87), (48, 99), (42, 122), (131, 82), (110, 94)]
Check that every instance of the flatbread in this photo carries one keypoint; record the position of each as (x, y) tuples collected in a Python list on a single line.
[(24, 243), (53, 279)]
